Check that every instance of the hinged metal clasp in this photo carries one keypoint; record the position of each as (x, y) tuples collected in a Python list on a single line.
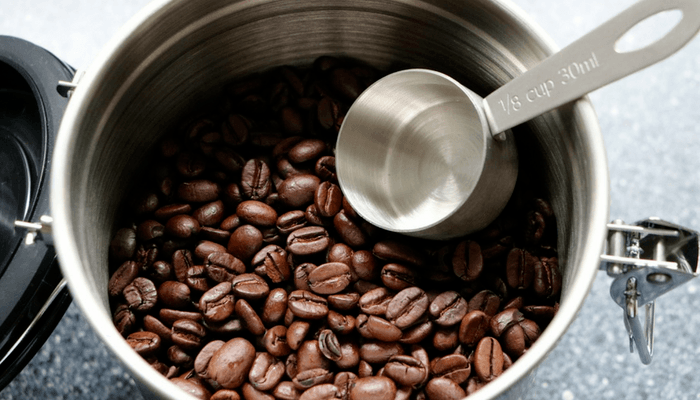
[(37, 230), (671, 260), (66, 88)]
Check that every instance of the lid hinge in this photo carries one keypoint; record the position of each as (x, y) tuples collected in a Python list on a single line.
[(37, 230)]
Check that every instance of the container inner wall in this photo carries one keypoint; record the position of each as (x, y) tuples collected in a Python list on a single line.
[(177, 55)]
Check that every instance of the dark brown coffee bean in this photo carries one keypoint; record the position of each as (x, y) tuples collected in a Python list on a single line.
[(329, 345), (198, 191), (225, 394), (249, 317), (296, 333), (193, 386), (446, 339), (217, 304), (251, 393), (486, 301), (124, 319), (365, 265), (488, 359), (140, 294), (339, 323), (328, 112), (301, 276), (309, 356), (308, 240), (344, 301), (228, 328), (265, 372), (328, 199), (474, 327), (123, 244), (256, 213), (170, 210), (325, 169), (520, 268), (275, 341), (245, 241), (161, 271), (547, 281), (178, 356), (307, 150), (448, 308), (144, 203), (364, 369), (541, 313), (255, 179), (374, 387), (149, 230), (231, 222), (182, 226), (340, 252), (513, 341), (190, 165), (455, 367), (502, 321), (531, 331), (444, 389), (325, 391), (407, 307), (145, 343), (377, 352), (182, 262), (350, 355), (400, 252), (232, 197), (312, 377), (312, 215), (376, 301), (201, 362), (174, 294), (205, 248), (122, 277), (349, 231), (250, 287), (406, 370), (188, 334), (169, 316), (467, 261), (329, 278), (298, 190), (152, 324), (230, 365), (398, 277), (197, 278), (383, 330), (214, 234), (286, 390), (305, 304), (291, 221), (417, 333), (272, 261), (209, 214), (275, 307)]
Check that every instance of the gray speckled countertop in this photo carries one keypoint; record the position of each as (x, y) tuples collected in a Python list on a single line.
[(651, 127)]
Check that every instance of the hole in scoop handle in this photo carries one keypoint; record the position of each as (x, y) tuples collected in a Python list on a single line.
[(588, 64)]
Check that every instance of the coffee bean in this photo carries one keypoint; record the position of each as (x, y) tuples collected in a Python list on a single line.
[(209, 214), (329, 345), (502, 321), (179, 357), (245, 241), (231, 364), (188, 334), (448, 308), (312, 377), (301, 276), (255, 179), (205, 248), (217, 304), (474, 327), (298, 190), (365, 265), (407, 307), (149, 230), (296, 333), (145, 343), (152, 324), (488, 359), (249, 317), (383, 330), (291, 221), (377, 352), (398, 277), (305, 304), (376, 301), (251, 393), (417, 333), (393, 251), (309, 356), (198, 191), (272, 261), (342, 324), (374, 387), (286, 390), (328, 199), (329, 278), (406, 370), (140, 294), (168, 211), (169, 316), (520, 268), (326, 391), (225, 394), (123, 244), (444, 389), (349, 231), (307, 150), (308, 240), (486, 301), (265, 372), (275, 341), (467, 261), (193, 386), (250, 287), (446, 339), (197, 278), (547, 281), (344, 301), (174, 294), (325, 169), (275, 307), (182, 226), (257, 213), (122, 277), (455, 367)]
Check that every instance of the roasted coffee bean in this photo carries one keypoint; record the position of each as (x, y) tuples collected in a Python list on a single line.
[(373, 387), (502, 321), (230, 365), (251, 393), (250, 319), (275, 307), (225, 394), (182, 226), (286, 390), (201, 362), (152, 324), (474, 327), (245, 241), (188, 334), (446, 339), (377, 352), (123, 244), (312, 377), (217, 303), (329, 345), (547, 281), (329, 278), (467, 261), (250, 287), (364, 369), (325, 169), (230, 327), (197, 279), (265, 372), (190, 165), (149, 230), (365, 265), (417, 333), (344, 301), (255, 179), (257, 213), (140, 294), (407, 307), (205, 248), (272, 262), (232, 197), (296, 333), (145, 343), (488, 359), (169, 316), (486, 301), (122, 277), (291, 221), (531, 331), (349, 230), (306, 150), (308, 240), (314, 217), (178, 356), (383, 330), (193, 386), (209, 214), (448, 308), (513, 341), (198, 191), (298, 190), (398, 277), (144, 203), (305, 304), (168, 211), (342, 324), (375, 301), (393, 251), (328, 199), (275, 341), (444, 389), (520, 268), (174, 294), (161, 271), (328, 112), (301, 276), (455, 367), (326, 391), (309, 356), (214, 234), (406, 370)]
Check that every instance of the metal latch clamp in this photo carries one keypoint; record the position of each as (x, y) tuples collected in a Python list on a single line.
[(672, 260)]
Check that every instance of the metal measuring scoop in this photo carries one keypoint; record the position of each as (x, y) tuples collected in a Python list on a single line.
[(422, 155)]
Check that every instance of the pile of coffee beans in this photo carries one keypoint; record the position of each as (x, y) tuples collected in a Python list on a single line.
[(240, 270)]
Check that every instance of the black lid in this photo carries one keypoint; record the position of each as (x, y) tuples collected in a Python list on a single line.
[(32, 296)]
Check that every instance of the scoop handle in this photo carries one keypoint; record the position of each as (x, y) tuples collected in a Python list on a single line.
[(588, 64)]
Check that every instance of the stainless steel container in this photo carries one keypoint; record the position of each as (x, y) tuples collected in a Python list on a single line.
[(175, 54)]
